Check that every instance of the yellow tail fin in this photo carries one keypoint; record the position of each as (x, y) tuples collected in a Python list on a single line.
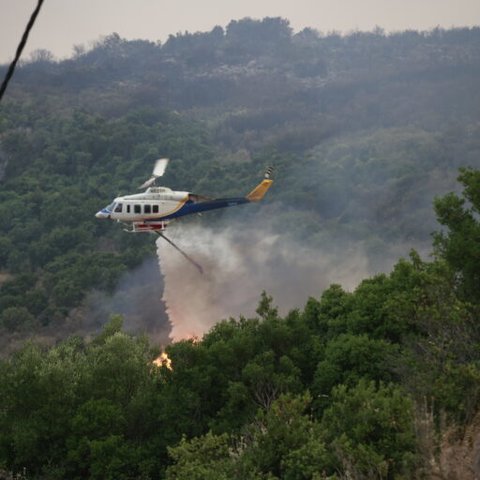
[(260, 190)]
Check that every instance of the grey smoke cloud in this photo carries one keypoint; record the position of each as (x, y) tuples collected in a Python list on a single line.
[(138, 298), (238, 264)]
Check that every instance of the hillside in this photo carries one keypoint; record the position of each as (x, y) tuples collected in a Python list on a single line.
[(310, 349), (364, 130)]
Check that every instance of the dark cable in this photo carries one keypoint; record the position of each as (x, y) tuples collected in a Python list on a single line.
[(22, 43)]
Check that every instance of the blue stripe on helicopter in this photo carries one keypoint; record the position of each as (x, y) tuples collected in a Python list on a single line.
[(196, 207)]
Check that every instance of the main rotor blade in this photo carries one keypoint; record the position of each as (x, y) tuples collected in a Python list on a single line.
[(149, 182), (158, 171), (160, 167)]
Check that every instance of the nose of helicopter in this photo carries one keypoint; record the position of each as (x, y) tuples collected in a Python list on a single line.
[(102, 214)]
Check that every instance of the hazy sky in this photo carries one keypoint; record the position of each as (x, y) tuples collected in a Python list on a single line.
[(64, 23)]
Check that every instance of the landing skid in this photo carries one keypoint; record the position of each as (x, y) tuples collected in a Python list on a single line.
[(190, 259)]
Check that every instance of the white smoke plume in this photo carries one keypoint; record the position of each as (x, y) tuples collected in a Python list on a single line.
[(238, 265)]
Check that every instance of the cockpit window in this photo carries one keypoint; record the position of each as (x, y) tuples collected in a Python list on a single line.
[(118, 208), (110, 207)]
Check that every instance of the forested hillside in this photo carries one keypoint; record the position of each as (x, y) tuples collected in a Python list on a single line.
[(364, 130), (368, 133)]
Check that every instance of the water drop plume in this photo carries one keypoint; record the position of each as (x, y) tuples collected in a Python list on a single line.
[(238, 264)]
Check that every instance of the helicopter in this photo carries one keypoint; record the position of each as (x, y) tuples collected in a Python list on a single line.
[(152, 210)]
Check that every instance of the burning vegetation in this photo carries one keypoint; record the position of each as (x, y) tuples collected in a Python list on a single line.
[(163, 360)]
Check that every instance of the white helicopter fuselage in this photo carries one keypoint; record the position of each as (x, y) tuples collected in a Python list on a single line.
[(154, 203)]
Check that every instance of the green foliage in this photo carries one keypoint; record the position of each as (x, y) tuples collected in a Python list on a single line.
[(371, 430), (265, 308), (349, 358), (328, 315), (203, 458), (366, 433), (71, 411), (237, 404), (460, 245), (111, 328), (16, 318), (282, 442)]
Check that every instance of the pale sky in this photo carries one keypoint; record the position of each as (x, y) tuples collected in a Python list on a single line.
[(64, 23)]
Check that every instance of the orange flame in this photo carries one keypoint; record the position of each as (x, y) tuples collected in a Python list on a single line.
[(163, 360)]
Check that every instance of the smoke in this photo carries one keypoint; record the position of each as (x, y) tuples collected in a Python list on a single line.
[(239, 263), (138, 298)]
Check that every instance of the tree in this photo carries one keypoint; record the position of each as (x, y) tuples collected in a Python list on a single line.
[(42, 55), (248, 37), (460, 244), (370, 431), (202, 458), (265, 307), (282, 442), (16, 318), (349, 358), (96, 444)]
